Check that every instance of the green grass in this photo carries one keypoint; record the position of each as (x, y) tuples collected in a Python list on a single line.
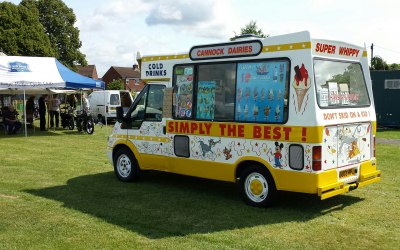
[(58, 191), (389, 134)]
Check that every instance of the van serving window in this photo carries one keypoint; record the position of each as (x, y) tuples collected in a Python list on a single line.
[(216, 92), (255, 91), (340, 84), (183, 92)]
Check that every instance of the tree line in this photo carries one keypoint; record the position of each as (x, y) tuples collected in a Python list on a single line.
[(41, 28)]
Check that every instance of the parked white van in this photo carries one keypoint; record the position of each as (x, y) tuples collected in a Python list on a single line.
[(104, 103)]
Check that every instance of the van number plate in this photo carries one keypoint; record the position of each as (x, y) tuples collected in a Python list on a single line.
[(347, 173)]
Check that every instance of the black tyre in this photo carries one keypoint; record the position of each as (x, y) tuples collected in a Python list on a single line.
[(71, 124), (90, 127), (257, 187), (126, 167)]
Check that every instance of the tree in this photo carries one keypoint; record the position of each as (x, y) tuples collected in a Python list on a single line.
[(377, 63), (250, 28), (21, 32), (115, 85), (58, 21), (394, 66)]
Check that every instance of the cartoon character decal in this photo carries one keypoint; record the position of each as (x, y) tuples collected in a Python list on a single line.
[(206, 148), (346, 144), (278, 154), (227, 153)]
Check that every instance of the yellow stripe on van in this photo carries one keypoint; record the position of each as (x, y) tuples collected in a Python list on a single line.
[(149, 138), (166, 57), (289, 46)]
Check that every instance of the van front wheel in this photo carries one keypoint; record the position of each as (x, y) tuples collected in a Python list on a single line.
[(125, 165), (257, 187)]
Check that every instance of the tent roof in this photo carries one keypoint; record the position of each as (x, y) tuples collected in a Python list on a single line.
[(19, 72)]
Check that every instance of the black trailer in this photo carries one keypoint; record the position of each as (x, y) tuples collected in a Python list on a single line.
[(386, 87)]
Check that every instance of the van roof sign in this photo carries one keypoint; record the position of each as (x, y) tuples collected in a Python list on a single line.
[(226, 50)]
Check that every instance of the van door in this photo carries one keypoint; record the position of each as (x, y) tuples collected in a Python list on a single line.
[(148, 127)]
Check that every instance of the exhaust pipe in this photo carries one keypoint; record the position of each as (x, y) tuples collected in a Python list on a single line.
[(353, 187)]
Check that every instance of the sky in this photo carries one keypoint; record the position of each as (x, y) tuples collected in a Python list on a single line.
[(113, 31)]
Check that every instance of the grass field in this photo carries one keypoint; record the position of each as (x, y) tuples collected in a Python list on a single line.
[(58, 191)]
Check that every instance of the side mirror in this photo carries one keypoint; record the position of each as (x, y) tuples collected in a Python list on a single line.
[(120, 114)]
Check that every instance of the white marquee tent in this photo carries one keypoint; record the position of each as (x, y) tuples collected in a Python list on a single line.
[(36, 75)]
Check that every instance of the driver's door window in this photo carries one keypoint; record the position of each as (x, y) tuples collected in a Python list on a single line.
[(149, 107), (138, 113)]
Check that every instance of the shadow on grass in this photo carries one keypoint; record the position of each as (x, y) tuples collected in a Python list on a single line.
[(166, 205)]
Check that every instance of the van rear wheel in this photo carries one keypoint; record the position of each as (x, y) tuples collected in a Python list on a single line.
[(126, 167), (257, 187)]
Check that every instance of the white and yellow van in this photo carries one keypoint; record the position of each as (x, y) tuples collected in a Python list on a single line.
[(279, 113)]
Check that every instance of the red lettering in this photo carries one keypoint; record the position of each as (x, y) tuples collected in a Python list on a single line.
[(287, 131), (201, 131), (208, 127), (240, 50), (277, 133), (344, 51), (210, 52), (256, 132), (231, 130), (325, 48), (193, 127), (267, 132), (184, 128), (241, 130), (170, 127), (222, 127)]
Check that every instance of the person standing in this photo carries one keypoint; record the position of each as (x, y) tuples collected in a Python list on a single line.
[(30, 109), (86, 104), (54, 111), (42, 112)]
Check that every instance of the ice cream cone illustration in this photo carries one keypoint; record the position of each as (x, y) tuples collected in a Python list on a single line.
[(239, 94), (262, 94), (255, 94), (301, 84), (266, 112), (255, 112), (246, 112), (247, 95)]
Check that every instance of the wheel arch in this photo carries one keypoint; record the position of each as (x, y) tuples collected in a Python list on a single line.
[(130, 146), (247, 162)]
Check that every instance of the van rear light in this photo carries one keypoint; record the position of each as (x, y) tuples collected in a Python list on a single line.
[(374, 147), (106, 109), (317, 158)]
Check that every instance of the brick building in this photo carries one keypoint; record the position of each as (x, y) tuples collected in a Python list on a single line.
[(130, 76), (89, 71)]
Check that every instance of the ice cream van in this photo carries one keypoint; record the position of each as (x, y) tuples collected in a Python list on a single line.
[(285, 113)]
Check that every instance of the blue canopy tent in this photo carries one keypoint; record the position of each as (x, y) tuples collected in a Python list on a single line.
[(74, 80), (20, 74)]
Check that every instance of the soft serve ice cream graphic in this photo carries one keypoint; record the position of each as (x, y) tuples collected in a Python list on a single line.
[(301, 84)]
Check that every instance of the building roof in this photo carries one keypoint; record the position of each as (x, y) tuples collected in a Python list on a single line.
[(89, 71), (127, 72)]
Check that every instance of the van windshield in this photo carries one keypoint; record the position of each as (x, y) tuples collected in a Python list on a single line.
[(340, 84)]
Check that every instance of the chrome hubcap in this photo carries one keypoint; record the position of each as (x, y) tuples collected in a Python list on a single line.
[(124, 165), (256, 187)]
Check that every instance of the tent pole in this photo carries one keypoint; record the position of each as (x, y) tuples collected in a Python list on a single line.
[(105, 111), (24, 104)]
